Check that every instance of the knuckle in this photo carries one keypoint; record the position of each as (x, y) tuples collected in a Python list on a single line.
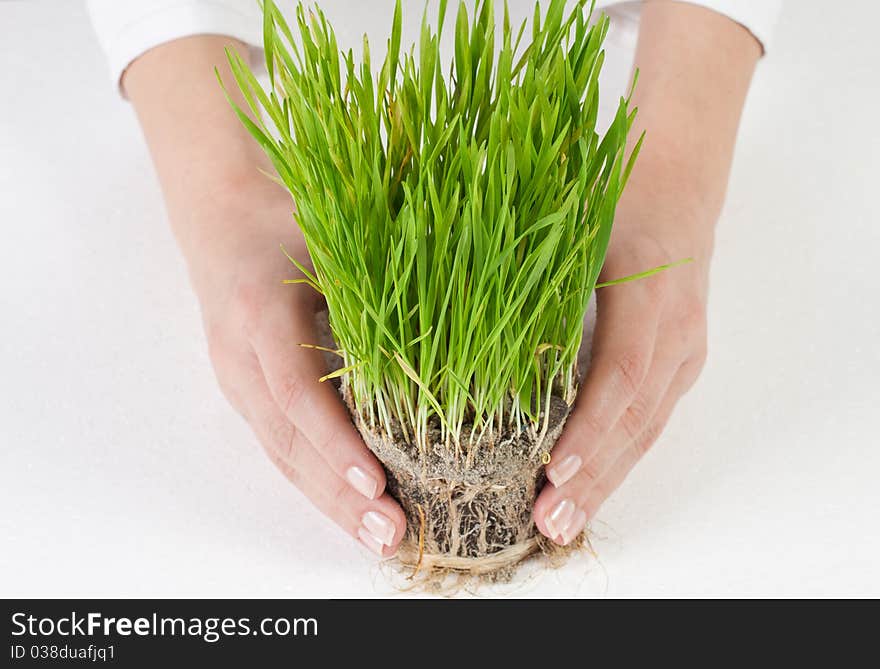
[(282, 436), (690, 371), (591, 474), (636, 417), (692, 320), (657, 286), (290, 392), (686, 324), (331, 444), (648, 437), (595, 423), (629, 370)]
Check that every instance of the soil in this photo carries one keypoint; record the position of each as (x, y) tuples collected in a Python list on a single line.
[(471, 514)]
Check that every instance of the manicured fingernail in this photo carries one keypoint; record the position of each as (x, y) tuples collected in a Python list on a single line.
[(370, 541), (574, 527), (362, 482), (379, 526), (557, 520), (566, 468)]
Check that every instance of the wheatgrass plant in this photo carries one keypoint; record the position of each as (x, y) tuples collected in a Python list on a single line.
[(457, 221)]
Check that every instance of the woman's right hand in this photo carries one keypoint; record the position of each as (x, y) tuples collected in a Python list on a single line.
[(230, 222), (254, 326)]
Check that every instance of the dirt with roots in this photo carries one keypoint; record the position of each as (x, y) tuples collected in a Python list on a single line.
[(468, 513)]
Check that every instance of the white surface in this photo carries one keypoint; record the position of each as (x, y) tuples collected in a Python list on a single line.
[(123, 472)]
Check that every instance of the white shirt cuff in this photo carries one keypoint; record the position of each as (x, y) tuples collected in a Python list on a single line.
[(759, 17), (126, 34)]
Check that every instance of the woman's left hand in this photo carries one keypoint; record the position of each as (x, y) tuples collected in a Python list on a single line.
[(650, 340), (648, 348)]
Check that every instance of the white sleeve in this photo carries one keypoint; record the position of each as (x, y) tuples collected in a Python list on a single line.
[(128, 28), (759, 17)]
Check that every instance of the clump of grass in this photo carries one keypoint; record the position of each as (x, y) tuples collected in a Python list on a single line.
[(457, 221)]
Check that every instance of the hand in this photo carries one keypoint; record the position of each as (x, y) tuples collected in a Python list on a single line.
[(648, 348), (650, 338), (254, 326), (230, 222)]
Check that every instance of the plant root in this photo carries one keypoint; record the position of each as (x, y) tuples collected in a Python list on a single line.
[(470, 512)]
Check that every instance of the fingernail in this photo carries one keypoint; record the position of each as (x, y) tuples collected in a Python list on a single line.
[(362, 482), (574, 527), (562, 472), (379, 526), (370, 541), (557, 520)]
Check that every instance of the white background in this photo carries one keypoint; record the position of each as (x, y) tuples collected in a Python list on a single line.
[(123, 472)]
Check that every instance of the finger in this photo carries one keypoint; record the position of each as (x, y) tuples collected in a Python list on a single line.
[(315, 408), (623, 350), (576, 454), (559, 508), (630, 456), (379, 524), (568, 509), (638, 447)]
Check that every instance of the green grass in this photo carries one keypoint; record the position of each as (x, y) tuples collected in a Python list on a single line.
[(457, 220)]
